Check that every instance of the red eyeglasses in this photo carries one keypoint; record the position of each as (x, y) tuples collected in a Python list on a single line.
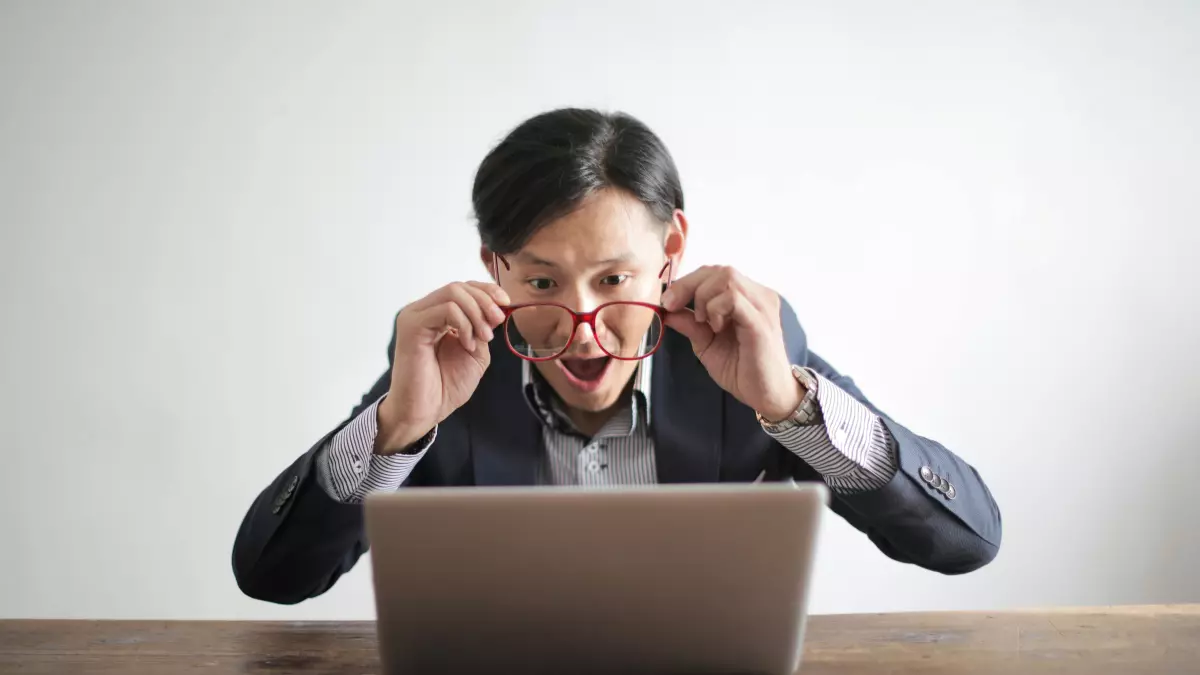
[(543, 331)]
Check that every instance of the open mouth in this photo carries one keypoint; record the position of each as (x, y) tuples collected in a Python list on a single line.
[(585, 374)]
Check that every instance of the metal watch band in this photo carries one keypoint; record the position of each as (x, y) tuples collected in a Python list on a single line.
[(807, 413)]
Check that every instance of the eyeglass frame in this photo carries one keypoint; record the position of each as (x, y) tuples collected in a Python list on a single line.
[(578, 318)]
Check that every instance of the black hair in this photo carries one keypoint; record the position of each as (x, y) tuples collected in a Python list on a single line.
[(551, 162)]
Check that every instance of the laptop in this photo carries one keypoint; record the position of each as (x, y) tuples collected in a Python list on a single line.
[(659, 579)]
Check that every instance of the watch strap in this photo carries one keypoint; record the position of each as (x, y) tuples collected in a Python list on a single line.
[(808, 413)]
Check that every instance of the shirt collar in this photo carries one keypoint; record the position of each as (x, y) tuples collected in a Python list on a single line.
[(542, 404)]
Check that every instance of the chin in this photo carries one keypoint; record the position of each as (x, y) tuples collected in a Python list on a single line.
[(594, 402)]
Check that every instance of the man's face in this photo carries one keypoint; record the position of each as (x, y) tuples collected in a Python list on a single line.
[(609, 249)]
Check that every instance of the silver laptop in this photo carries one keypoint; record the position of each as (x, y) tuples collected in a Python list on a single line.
[(658, 579)]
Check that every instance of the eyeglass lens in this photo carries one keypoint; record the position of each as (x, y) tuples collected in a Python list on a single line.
[(622, 330)]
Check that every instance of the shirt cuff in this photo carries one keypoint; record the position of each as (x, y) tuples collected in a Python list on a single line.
[(348, 468), (852, 450)]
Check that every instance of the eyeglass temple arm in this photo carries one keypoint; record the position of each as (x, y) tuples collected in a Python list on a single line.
[(496, 260), (670, 264)]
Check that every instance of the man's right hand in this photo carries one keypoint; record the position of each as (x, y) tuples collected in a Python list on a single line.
[(441, 354)]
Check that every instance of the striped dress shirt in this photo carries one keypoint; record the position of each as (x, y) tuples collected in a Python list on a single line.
[(851, 447)]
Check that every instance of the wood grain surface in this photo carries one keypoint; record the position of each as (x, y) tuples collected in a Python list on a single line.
[(1100, 641)]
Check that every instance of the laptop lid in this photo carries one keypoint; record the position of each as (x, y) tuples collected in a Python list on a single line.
[(647, 579)]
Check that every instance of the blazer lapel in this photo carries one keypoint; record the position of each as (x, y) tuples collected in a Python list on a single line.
[(687, 413), (505, 438)]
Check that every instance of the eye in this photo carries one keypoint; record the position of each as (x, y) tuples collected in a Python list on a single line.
[(541, 283), (614, 279)]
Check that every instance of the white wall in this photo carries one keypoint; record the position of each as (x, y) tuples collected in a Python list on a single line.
[(987, 215)]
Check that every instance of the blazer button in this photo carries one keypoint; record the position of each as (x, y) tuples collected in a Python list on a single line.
[(927, 474), (293, 483), (950, 493), (943, 484)]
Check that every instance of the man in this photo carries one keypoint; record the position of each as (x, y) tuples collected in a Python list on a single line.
[(586, 362)]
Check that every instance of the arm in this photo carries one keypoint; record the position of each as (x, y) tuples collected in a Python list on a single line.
[(305, 530), (933, 510), (838, 436), (295, 541), (916, 500), (348, 467)]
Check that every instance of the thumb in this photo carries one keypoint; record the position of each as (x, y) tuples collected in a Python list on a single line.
[(699, 333)]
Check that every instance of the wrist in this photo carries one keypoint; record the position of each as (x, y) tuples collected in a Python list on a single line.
[(804, 412), (395, 434), (783, 405)]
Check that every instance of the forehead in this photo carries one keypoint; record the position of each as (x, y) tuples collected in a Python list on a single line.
[(607, 225)]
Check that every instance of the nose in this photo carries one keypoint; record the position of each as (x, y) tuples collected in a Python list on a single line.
[(578, 297), (583, 342)]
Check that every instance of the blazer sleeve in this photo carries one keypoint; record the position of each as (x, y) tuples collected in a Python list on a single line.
[(295, 541), (953, 530)]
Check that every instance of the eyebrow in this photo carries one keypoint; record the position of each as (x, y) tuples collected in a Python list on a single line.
[(531, 259)]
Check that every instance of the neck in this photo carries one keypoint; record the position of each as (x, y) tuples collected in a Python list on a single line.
[(590, 422)]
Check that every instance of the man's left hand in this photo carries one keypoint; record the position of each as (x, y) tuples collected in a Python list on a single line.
[(736, 334)]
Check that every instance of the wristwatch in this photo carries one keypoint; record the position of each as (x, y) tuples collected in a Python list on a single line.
[(808, 413)]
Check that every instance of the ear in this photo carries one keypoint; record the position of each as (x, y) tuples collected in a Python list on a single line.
[(676, 238), (486, 256)]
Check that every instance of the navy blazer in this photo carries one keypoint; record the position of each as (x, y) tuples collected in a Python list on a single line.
[(295, 541)]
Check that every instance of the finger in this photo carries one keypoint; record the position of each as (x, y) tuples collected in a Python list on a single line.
[(433, 299), (718, 310), (491, 311), (697, 332), (759, 296), (710, 288), (465, 331), (732, 306), (684, 288), (449, 317), (468, 302), (445, 293), (498, 294)]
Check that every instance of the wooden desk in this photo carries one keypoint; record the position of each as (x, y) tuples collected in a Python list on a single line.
[(1102, 641)]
